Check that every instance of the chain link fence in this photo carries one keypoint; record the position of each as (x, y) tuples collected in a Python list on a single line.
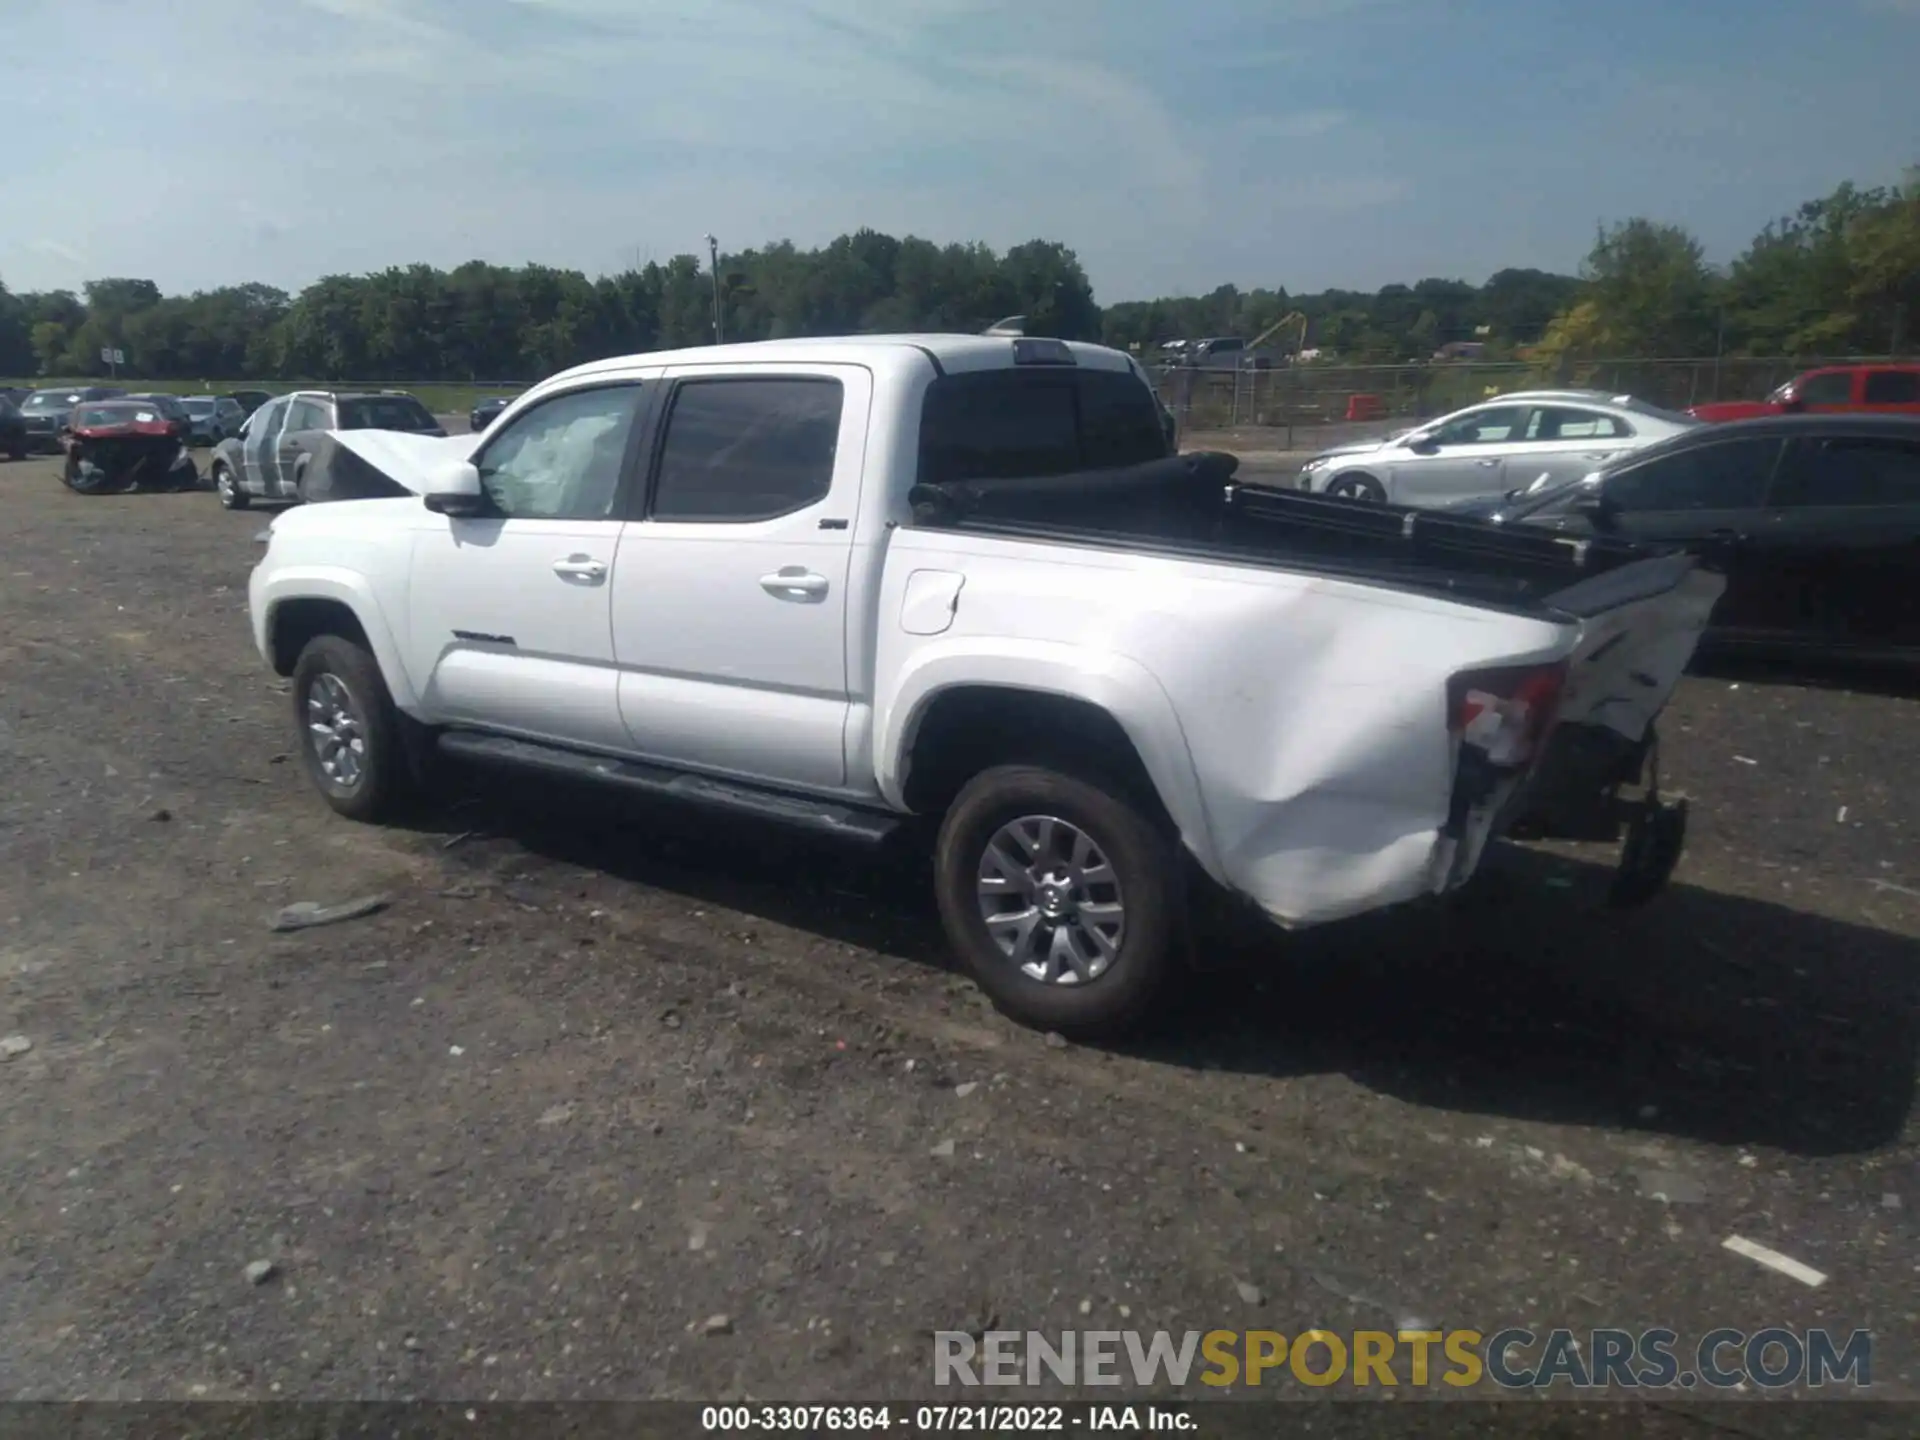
[(1312, 396)]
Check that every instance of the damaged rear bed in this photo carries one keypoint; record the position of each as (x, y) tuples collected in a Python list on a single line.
[(1639, 612)]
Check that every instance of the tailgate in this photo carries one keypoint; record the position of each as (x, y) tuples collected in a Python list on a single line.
[(1639, 627)]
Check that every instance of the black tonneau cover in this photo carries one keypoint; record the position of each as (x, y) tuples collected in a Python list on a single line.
[(1190, 505)]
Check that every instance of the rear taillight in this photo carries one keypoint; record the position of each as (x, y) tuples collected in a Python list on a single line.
[(1506, 714)]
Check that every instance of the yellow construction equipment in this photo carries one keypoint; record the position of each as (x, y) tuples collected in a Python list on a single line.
[(1293, 318)]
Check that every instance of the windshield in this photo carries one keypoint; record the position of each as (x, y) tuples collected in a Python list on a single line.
[(198, 407), (43, 400), (385, 412), (100, 416)]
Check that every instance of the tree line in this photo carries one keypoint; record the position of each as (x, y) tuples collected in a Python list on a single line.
[(1840, 275)]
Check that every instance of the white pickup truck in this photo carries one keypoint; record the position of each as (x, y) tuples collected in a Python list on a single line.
[(850, 584)]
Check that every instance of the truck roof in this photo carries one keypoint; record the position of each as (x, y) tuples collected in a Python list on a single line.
[(947, 352)]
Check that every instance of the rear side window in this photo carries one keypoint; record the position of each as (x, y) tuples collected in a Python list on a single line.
[(1020, 424), (748, 449), (1853, 471), (385, 412), (1730, 476), (1552, 423), (1893, 387)]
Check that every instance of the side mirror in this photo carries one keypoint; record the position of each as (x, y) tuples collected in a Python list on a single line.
[(1792, 405), (454, 489), (1421, 444), (1597, 508)]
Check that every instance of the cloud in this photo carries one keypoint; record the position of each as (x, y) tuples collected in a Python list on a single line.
[(1295, 142), (57, 250)]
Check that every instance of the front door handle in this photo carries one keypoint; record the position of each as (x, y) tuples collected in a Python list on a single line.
[(580, 567), (794, 582), (1486, 463)]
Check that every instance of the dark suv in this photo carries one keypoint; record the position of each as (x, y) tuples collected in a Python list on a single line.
[(45, 411), (268, 459)]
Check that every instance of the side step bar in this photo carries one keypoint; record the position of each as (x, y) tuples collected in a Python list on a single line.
[(825, 817)]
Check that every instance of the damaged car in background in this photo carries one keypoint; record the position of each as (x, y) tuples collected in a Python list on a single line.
[(961, 585), (118, 445)]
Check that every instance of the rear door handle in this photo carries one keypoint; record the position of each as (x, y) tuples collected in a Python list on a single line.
[(794, 582), (580, 567)]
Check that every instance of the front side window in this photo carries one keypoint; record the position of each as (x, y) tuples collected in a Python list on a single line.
[(305, 415), (1853, 471), (562, 459), (1555, 423), (1893, 387), (747, 449), (1731, 476), (267, 418), (1829, 387), (1483, 427)]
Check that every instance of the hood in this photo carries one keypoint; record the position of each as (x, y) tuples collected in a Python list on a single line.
[(379, 464), (406, 460), (1352, 447)]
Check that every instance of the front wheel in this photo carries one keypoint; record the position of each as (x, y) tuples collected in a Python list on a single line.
[(349, 731), (1062, 898), (1357, 487), (84, 477), (227, 486)]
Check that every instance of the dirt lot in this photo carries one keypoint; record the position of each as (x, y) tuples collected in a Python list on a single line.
[(596, 1075)]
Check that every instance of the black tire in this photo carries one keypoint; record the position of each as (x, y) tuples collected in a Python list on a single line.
[(226, 485), (1356, 486), (335, 675), (1140, 959)]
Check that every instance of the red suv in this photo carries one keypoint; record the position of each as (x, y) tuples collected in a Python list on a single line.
[(1881, 389)]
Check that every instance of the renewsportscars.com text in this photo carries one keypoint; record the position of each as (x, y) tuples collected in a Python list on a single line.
[(1513, 1359)]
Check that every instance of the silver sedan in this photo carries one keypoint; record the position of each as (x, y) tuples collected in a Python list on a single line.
[(1503, 444)]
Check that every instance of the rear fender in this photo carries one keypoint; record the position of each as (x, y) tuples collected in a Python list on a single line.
[(1121, 687)]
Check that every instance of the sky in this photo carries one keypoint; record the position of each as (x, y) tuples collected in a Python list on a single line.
[(1174, 145)]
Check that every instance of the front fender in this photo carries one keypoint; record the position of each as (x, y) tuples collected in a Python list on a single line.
[(271, 589), (1122, 687)]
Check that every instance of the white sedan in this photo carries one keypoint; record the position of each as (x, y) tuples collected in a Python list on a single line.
[(1506, 443)]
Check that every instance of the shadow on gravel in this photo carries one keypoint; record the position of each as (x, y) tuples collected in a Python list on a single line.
[(1812, 673), (1703, 1015)]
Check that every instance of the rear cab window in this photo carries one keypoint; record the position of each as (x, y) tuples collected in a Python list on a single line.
[(1028, 423)]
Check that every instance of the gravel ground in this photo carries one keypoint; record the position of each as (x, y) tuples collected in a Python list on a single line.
[(595, 1075)]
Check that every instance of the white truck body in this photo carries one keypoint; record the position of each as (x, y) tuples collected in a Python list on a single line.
[(1294, 721)]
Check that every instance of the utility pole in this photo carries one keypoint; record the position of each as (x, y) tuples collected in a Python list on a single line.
[(713, 255)]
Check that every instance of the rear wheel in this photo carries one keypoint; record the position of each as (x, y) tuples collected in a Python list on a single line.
[(1356, 486), (1063, 899), (227, 486), (349, 731)]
